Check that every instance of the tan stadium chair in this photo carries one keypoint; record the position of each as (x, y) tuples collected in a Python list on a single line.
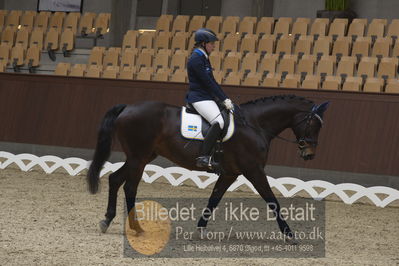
[(162, 74), (216, 60), (180, 23), (300, 28), (322, 20), (17, 57), (110, 72), (291, 81), (180, 75), (326, 65), (395, 51), (96, 56), (341, 20), (232, 78), (127, 73), (285, 45), (264, 27), (163, 23), (101, 23), (342, 46), (218, 75), (376, 29), (13, 18), (233, 18), (282, 27), (311, 82), (337, 29), (62, 69), (32, 58), (249, 18), (303, 46), (162, 40), (246, 26), (111, 57), (248, 43), (130, 39), (93, 71), (5, 54), (252, 79), (229, 25), (373, 85), (2, 20), (144, 58), (352, 84), (387, 67), (179, 60), (179, 41), (271, 80), (318, 28), (268, 63), (191, 43), (392, 86), (77, 70), (332, 83), (86, 24), (380, 20), (67, 41), (162, 58), (51, 43), (346, 66), (8, 36), (361, 47), (214, 23), (306, 65), (196, 23), (250, 62), (356, 29), (23, 38), (128, 57), (37, 38), (27, 20), (230, 43), (393, 29), (71, 22), (322, 46), (266, 44), (145, 40), (363, 21), (367, 67), (42, 20), (382, 47), (56, 22), (287, 64), (231, 62)]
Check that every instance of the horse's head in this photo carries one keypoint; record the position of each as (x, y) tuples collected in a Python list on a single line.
[(306, 128)]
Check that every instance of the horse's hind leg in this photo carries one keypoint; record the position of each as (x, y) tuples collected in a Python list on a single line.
[(135, 171), (115, 181)]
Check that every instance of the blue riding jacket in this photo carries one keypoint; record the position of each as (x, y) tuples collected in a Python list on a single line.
[(202, 84)]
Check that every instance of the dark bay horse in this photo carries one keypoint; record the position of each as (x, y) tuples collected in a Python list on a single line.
[(146, 130)]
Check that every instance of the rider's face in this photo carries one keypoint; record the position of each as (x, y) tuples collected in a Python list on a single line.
[(210, 46)]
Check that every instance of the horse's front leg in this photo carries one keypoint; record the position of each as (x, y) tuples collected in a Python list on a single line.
[(221, 186), (259, 179)]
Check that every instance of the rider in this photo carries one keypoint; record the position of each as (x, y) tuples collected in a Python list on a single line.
[(204, 91)]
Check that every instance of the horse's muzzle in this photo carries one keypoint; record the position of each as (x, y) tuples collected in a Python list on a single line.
[(307, 153)]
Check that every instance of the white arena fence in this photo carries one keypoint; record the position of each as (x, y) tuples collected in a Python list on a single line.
[(74, 166)]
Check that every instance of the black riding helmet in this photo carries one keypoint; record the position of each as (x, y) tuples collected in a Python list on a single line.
[(205, 35)]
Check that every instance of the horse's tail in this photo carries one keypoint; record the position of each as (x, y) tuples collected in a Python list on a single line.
[(103, 147)]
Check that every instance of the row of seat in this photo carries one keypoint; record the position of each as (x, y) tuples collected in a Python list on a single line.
[(281, 26), (19, 56), (84, 24), (235, 78), (362, 46), (126, 72), (50, 40)]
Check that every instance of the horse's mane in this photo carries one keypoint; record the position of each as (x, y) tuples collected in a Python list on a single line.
[(287, 98)]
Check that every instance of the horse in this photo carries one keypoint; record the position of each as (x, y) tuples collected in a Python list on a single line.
[(148, 129)]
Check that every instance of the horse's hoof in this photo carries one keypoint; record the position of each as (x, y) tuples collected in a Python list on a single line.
[(103, 226)]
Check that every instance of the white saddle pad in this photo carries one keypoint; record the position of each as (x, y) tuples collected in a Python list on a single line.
[(191, 126)]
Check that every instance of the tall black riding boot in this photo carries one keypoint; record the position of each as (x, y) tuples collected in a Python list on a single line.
[(209, 142)]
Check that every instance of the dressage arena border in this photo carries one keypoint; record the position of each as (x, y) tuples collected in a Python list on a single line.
[(75, 166)]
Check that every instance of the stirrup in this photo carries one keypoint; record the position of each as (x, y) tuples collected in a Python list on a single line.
[(206, 161)]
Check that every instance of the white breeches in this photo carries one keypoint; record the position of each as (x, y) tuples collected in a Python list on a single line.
[(210, 111)]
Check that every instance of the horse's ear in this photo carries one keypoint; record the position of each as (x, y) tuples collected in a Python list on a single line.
[(321, 108)]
